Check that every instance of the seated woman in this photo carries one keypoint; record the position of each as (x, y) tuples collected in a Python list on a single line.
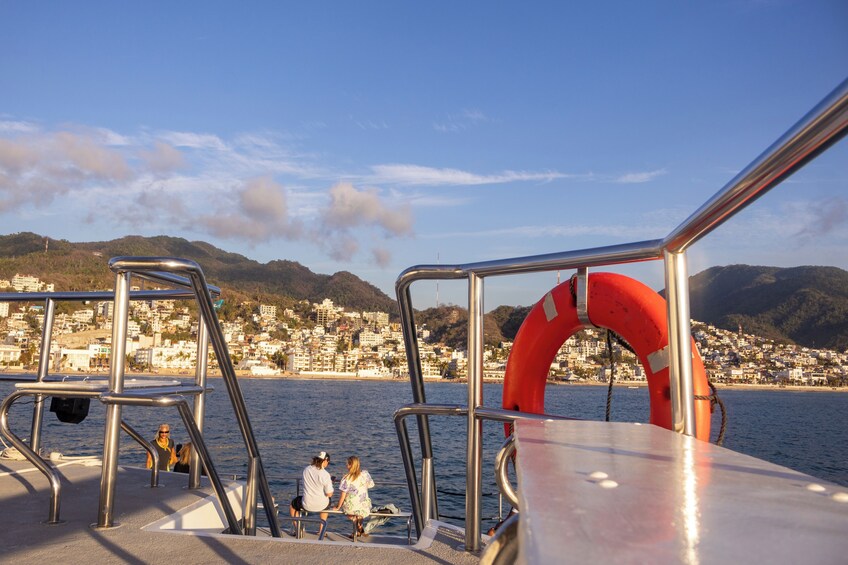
[(183, 464), (354, 501)]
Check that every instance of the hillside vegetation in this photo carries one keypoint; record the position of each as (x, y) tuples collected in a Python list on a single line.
[(84, 266), (803, 305)]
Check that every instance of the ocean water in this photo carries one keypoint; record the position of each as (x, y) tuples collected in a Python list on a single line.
[(295, 419)]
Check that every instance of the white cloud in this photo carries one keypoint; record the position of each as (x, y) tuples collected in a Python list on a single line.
[(259, 214), (163, 157), (194, 140), (418, 175), (17, 127), (91, 158), (350, 207), (640, 177), (382, 256)]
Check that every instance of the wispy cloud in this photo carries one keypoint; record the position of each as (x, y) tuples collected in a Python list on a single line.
[(162, 158), (253, 187), (382, 257), (616, 231), (194, 140), (823, 217), (370, 124), (405, 174), (17, 127), (351, 208), (258, 214), (458, 122), (640, 177)]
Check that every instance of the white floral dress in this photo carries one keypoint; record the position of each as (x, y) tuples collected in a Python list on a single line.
[(357, 503)]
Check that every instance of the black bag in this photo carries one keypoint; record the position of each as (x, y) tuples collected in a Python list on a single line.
[(70, 410)]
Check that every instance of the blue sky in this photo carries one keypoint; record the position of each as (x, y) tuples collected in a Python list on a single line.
[(370, 137)]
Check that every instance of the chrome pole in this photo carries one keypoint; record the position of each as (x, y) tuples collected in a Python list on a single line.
[(250, 498), (679, 344), (43, 369), (409, 468), (474, 453), (200, 399), (112, 435), (426, 490)]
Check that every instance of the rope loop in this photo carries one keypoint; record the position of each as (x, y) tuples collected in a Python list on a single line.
[(715, 399)]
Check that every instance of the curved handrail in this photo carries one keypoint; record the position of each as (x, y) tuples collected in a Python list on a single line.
[(180, 402), (169, 269), (32, 457), (153, 452), (501, 470)]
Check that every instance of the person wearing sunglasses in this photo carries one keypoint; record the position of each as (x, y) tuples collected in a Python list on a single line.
[(164, 445)]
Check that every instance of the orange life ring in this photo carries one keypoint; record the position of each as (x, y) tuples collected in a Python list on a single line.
[(625, 306)]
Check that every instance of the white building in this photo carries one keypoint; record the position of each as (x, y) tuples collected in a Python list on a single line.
[(267, 311), (10, 354), (26, 283), (74, 359), (367, 338), (83, 316)]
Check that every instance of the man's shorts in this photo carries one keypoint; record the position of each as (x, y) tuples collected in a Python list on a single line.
[(297, 504)]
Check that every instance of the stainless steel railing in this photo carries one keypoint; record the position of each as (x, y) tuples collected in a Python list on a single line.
[(823, 126), (190, 282), (50, 299), (187, 274)]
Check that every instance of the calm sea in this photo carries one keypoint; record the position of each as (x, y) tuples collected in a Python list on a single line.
[(294, 419)]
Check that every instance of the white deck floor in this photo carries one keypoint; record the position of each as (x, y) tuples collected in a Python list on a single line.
[(26, 539), (596, 492)]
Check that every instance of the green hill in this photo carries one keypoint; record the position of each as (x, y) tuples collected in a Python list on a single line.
[(804, 305), (84, 266)]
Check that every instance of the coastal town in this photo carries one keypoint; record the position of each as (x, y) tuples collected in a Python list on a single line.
[(327, 340)]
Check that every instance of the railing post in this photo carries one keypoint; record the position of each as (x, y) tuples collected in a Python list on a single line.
[(111, 440), (679, 343), (474, 453), (43, 369), (427, 488), (250, 497), (202, 366)]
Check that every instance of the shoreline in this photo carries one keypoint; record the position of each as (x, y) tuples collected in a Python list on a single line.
[(336, 377)]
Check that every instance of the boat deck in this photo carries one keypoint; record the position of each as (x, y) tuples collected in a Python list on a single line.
[(598, 492), (24, 497)]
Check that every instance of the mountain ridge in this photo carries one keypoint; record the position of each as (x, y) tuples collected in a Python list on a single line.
[(806, 305), (83, 266)]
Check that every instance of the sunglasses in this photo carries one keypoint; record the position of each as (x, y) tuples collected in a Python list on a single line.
[(161, 432)]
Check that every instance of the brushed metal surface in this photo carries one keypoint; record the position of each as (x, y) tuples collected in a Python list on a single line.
[(598, 492)]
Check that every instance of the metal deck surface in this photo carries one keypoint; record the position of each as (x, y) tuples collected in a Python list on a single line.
[(26, 539), (597, 492)]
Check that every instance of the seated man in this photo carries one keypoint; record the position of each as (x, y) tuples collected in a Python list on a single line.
[(317, 488)]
